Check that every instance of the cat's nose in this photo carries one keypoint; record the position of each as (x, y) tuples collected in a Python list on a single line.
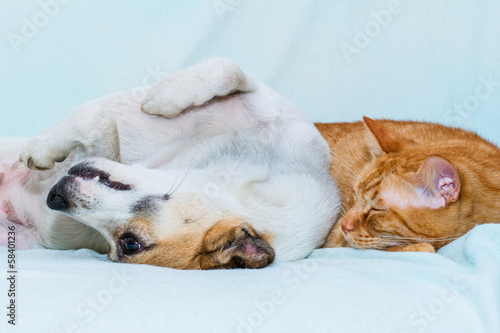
[(348, 225)]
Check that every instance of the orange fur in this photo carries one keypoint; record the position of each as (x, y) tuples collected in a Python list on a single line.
[(407, 185)]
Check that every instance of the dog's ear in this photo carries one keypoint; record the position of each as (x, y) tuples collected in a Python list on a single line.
[(232, 244)]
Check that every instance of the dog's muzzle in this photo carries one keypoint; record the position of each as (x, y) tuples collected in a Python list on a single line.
[(59, 197)]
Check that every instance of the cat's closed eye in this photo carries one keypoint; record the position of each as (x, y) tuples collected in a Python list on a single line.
[(375, 210)]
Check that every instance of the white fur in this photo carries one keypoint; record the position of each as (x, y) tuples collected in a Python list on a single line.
[(227, 145)]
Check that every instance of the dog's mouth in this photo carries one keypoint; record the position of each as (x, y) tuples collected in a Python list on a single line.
[(61, 197), (87, 172)]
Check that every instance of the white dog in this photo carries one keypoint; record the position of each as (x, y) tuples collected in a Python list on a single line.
[(218, 171)]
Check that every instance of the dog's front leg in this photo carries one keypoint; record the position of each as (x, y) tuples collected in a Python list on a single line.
[(89, 131)]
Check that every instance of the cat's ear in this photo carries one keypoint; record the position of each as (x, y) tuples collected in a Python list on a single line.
[(386, 140), (439, 181)]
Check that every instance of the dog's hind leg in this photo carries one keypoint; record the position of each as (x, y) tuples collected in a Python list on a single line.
[(22, 236), (196, 85)]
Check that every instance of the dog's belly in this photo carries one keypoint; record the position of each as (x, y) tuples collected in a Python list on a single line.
[(13, 178), (18, 208)]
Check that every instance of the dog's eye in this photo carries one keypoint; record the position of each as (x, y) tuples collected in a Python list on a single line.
[(130, 244)]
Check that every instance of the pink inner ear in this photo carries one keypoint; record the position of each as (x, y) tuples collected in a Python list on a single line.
[(440, 177), (447, 189), (251, 250)]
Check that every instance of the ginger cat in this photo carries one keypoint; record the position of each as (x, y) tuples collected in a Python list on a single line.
[(410, 186)]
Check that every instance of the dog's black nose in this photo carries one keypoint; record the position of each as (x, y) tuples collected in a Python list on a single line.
[(57, 198)]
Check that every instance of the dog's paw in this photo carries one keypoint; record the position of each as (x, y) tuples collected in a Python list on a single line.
[(42, 155), (165, 99), (195, 86)]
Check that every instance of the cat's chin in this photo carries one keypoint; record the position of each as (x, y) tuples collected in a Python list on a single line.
[(377, 243), (364, 243)]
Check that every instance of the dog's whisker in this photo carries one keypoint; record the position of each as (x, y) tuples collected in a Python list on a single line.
[(173, 183), (183, 178), (203, 215)]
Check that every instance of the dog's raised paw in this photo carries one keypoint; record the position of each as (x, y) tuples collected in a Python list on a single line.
[(195, 86), (39, 156), (164, 100)]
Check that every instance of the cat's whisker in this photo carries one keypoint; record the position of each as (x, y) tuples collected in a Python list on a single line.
[(348, 168), (385, 245), (407, 240), (401, 237), (343, 208)]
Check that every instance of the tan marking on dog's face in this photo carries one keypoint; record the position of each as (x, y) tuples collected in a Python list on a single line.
[(228, 243)]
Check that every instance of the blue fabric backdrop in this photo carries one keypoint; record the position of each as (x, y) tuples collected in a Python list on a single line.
[(337, 60)]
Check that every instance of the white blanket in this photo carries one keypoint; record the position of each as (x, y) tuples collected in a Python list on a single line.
[(335, 290)]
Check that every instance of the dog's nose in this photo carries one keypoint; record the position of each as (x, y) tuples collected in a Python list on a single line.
[(57, 199)]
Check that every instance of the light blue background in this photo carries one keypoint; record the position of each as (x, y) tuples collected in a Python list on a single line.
[(430, 56), (418, 63)]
